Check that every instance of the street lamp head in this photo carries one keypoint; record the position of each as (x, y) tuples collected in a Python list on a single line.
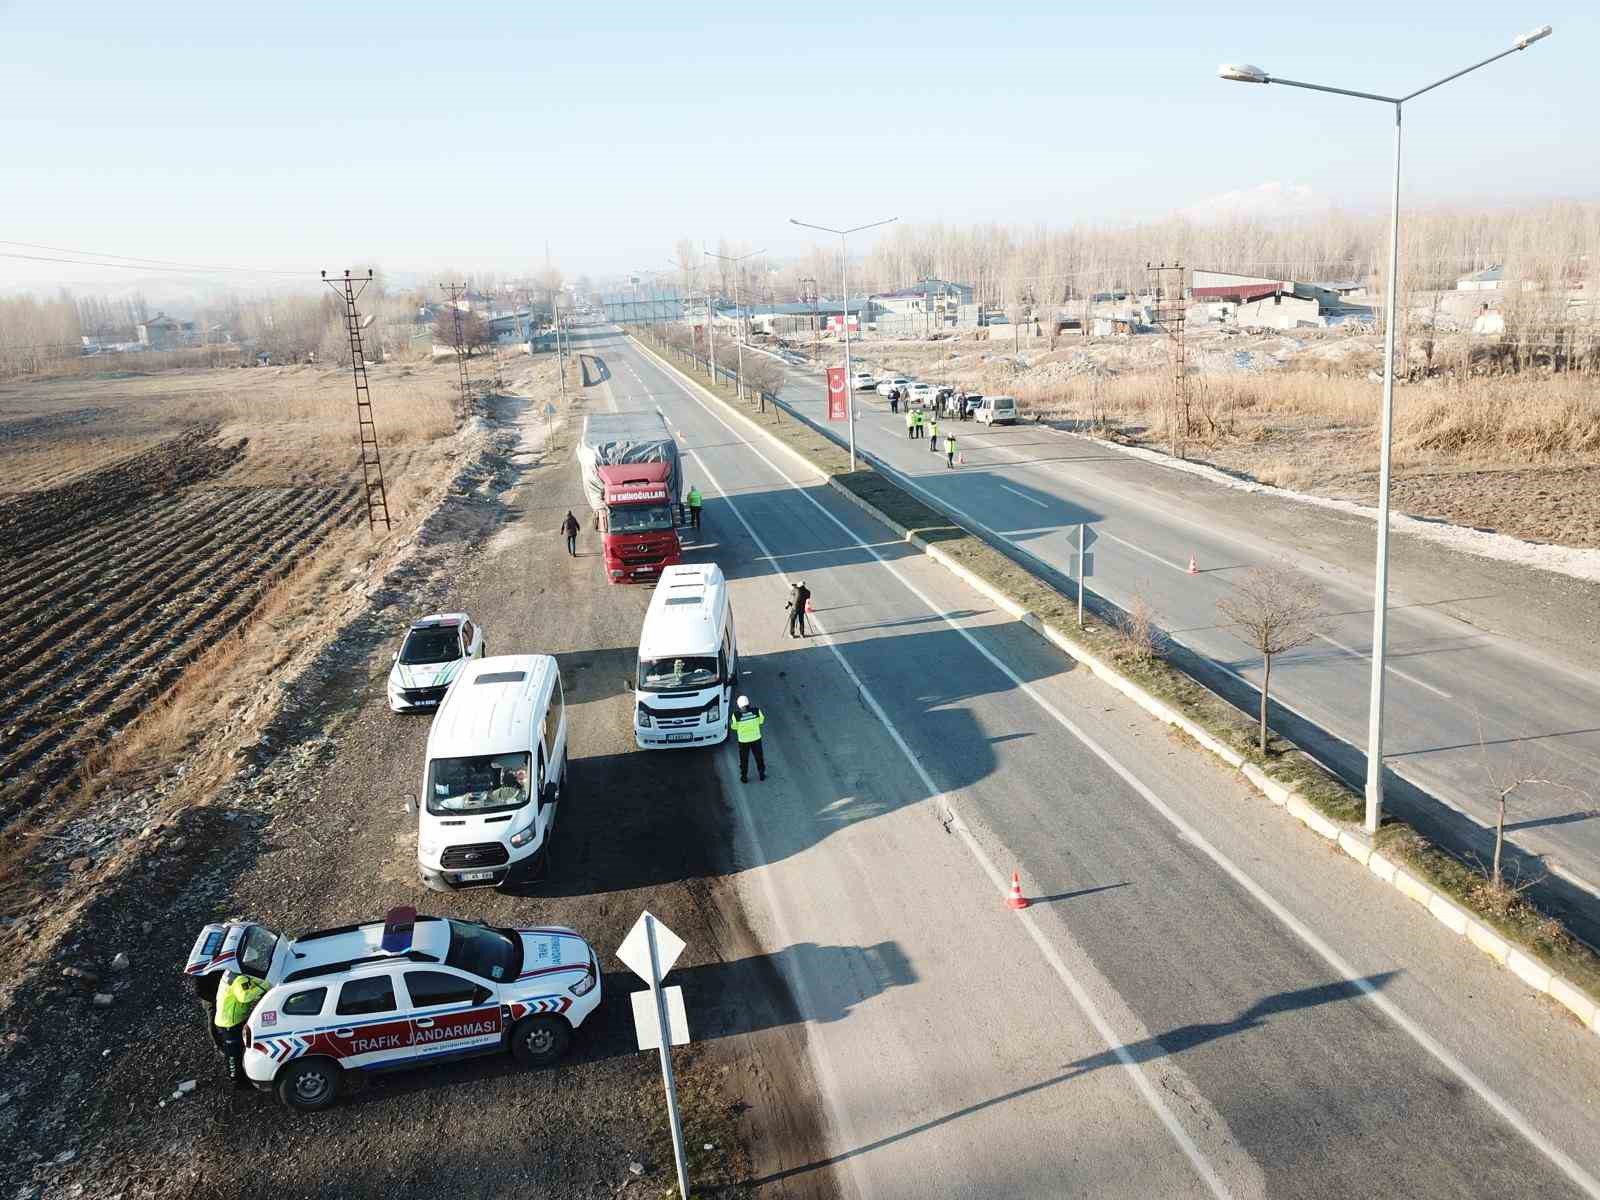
[(1243, 73), (1533, 36)]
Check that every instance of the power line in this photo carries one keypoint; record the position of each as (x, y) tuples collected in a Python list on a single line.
[(133, 260)]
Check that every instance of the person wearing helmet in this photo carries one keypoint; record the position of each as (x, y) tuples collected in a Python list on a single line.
[(746, 723), (799, 602)]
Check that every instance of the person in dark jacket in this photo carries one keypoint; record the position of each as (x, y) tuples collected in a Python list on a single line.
[(569, 530), (799, 601)]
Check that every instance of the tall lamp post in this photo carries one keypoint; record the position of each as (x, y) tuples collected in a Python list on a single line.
[(1244, 73), (738, 314), (844, 309)]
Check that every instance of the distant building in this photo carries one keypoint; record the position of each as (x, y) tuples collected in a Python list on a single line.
[(1488, 280), (1280, 312), (162, 332)]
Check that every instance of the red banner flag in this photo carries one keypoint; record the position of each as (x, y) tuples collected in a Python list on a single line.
[(838, 395)]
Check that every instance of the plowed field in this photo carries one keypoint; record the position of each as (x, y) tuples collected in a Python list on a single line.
[(113, 583)]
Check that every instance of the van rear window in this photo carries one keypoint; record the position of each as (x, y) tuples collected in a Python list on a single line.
[(502, 677)]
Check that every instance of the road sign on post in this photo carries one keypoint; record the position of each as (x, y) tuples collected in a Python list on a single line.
[(649, 951), (1082, 564)]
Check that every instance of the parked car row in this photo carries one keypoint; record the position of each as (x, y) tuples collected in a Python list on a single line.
[(413, 989), (985, 409)]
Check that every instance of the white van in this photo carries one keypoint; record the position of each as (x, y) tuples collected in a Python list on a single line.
[(994, 410), (688, 661), (496, 766)]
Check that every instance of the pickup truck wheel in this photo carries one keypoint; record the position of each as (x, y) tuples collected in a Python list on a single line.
[(308, 1084), (540, 1041)]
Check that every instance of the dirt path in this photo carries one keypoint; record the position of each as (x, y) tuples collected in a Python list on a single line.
[(312, 833)]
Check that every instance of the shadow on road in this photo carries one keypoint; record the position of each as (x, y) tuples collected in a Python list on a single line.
[(1175, 1041)]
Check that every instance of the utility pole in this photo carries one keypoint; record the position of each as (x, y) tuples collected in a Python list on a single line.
[(457, 291), (366, 430)]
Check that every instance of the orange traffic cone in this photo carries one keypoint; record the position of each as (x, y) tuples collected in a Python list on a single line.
[(1016, 900), (1193, 568)]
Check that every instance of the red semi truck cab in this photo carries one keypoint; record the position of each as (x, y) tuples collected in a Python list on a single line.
[(638, 521)]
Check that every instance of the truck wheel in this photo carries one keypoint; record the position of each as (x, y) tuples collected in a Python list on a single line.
[(308, 1084), (540, 1041)]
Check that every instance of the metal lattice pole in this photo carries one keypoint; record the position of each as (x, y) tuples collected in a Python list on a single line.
[(457, 291), (367, 430)]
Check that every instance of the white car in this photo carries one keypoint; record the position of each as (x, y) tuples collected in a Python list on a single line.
[(405, 991), (922, 393), (996, 410), (432, 655), (899, 382), (863, 381)]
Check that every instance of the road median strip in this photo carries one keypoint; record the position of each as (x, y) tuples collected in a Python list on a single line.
[(1515, 934)]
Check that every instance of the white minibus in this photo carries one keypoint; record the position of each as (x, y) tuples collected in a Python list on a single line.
[(688, 661)]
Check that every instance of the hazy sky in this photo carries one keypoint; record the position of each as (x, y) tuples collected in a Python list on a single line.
[(299, 136)]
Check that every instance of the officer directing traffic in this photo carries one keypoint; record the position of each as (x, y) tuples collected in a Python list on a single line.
[(234, 1003), (799, 604), (695, 500), (747, 722)]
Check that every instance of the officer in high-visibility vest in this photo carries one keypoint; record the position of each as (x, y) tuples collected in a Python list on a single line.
[(695, 501), (746, 723), (234, 1004), (933, 434), (917, 428), (949, 450), (911, 422)]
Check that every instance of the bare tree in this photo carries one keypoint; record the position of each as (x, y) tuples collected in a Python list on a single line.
[(1504, 784), (1274, 610), (474, 331)]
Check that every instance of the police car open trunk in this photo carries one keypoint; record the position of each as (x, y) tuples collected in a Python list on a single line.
[(633, 481)]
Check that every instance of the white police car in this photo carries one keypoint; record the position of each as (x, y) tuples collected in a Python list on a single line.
[(402, 992), (435, 649)]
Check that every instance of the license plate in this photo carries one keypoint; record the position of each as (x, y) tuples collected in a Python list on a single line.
[(474, 876), (680, 737), (427, 703)]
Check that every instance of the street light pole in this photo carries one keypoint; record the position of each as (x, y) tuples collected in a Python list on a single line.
[(844, 311), (1244, 73), (738, 316)]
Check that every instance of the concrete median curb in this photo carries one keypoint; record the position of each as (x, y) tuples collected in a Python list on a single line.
[(1350, 840)]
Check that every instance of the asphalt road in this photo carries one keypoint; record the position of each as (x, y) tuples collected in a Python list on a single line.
[(1197, 1003), (1491, 666)]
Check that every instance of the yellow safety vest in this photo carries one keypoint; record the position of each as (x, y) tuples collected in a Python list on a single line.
[(694, 497), (950, 443), (748, 727), (235, 1001), (933, 428), (918, 415)]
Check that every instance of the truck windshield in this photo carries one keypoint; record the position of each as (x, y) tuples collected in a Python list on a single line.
[(671, 674), (640, 518), (481, 783)]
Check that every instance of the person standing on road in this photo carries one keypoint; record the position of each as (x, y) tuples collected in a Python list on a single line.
[(746, 723), (695, 500), (949, 450), (799, 602), (911, 423), (234, 1004), (894, 400), (569, 530), (917, 432), (933, 434)]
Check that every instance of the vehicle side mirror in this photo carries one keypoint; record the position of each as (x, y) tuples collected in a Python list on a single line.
[(627, 684), (395, 657), (410, 803), (550, 793)]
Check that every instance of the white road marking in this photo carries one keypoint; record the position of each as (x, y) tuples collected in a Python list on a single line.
[(1023, 495), (1395, 671), (1389, 1008), (1080, 996)]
